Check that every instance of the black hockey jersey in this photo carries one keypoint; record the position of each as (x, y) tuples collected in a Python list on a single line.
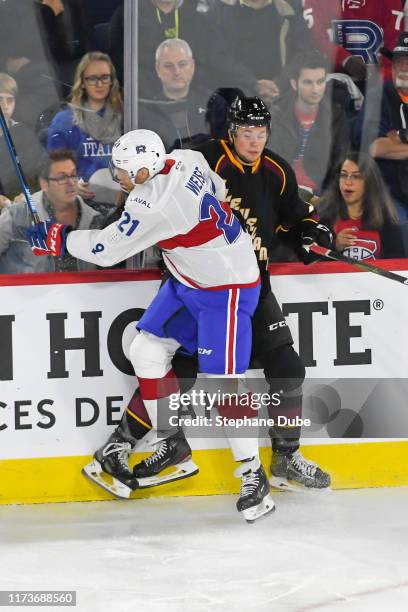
[(266, 194)]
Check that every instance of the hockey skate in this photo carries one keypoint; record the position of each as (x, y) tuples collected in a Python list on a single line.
[(292, 472), (171, 461), (254, 498), (110, 469)]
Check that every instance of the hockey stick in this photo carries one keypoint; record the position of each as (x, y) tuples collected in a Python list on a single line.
[(319, 250), (14, 158)]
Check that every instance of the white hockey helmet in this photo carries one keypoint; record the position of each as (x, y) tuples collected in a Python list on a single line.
[(139, 149)]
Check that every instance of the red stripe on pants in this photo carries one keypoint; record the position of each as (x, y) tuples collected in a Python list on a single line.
[(231, 332)]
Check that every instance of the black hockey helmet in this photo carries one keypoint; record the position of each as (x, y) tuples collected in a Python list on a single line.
[(252, 112)]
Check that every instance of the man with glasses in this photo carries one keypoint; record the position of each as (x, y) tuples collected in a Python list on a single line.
[(59, 200)]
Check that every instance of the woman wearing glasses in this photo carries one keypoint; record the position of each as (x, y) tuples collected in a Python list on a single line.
[(357, 205), (92, 122)]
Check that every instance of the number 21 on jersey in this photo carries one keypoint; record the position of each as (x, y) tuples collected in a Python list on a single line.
[(126, 224)]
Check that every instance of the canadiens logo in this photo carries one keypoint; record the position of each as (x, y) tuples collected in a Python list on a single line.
[(362, 249), (353, 4)]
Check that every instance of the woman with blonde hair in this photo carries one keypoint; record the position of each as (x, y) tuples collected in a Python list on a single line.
[(357, 205), (92, 122)]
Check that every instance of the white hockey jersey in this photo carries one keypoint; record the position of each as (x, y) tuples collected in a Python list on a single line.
[(182, 210)]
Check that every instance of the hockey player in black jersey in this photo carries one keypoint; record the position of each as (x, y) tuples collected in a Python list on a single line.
[(263, 188)]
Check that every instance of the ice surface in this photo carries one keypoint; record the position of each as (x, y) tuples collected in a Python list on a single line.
[(342, 551)]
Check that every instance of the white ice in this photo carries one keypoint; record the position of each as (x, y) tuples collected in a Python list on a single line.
[(343, 551)]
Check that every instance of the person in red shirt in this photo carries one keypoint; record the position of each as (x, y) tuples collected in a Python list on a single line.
[(357, 205), (352, 32), (308, 128)]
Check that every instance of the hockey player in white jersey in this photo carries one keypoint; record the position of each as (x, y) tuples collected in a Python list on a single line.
[(175, 201)]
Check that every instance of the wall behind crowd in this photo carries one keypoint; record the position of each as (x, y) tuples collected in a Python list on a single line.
[(193, 58)]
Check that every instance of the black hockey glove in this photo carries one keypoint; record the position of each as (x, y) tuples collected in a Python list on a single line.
[(311, 232)]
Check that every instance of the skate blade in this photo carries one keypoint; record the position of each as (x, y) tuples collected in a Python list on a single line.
[(94, 472), (266, 506), (283, 484), (181, 470)]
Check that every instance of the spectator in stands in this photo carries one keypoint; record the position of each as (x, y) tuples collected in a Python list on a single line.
[(160, 20), (116, 38), (358, 207), (260, 38), (308, 129), (68, 34), (24, 55), (178, 111), (59, 200), (25, 142), (93, 120), (381, 127), (352, 32)]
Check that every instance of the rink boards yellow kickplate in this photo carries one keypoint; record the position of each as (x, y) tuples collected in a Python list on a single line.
[(59, 479)]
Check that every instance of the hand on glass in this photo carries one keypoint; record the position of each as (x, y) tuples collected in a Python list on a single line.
[(267, 90)]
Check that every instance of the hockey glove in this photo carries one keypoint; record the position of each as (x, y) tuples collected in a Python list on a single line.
[(311, 232), (48, 238)]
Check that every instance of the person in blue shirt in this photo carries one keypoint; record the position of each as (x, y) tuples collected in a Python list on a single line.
[(92, 122)]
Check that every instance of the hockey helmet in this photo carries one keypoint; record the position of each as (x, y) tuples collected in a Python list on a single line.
[(251, 112), (138, 149)]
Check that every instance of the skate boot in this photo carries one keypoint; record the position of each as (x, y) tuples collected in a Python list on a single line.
[(171, 461), (110, 468), (292, 472), (254, 498)]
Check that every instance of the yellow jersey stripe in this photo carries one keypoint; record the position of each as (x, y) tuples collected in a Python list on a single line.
[(137, 418), (231, 157), (281, 169)]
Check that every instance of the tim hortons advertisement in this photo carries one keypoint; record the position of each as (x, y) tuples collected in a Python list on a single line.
[(65, 376)]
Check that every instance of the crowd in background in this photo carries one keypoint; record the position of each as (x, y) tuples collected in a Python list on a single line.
[(333, 73)]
